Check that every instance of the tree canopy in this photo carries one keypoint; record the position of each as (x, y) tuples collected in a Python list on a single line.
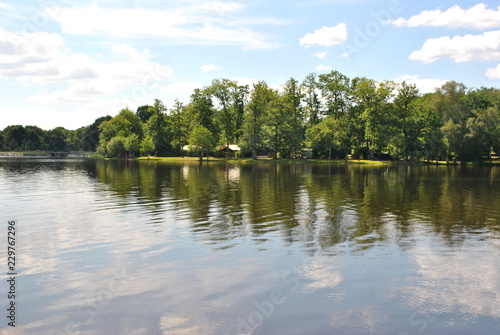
[(332, 114)]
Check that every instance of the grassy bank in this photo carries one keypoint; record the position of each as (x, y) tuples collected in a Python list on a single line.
[(265, 160)]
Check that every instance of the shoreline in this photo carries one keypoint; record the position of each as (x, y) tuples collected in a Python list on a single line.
[(33, 155)]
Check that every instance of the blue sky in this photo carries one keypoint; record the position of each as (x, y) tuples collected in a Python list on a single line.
[(66, 63)]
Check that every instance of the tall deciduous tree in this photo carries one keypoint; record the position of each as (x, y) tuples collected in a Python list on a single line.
[(14, 136), (201, 140), (372, 99), (222, 89), (259, 104), (409, 120), (335, 89), (178, 125), (312, 99), (122, 125), (293, 127), (156, 128), (240, 96), (201, 109)]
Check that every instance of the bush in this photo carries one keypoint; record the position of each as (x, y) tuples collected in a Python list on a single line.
[(116, 146)]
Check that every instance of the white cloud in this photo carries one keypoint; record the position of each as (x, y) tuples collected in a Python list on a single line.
[(181, 89), (460, 48), (208, 23), (423, 85), (221, 7), (242, 81), (326, 36), (321, 55), (209, 67), (323, 67), (493, 73), (77, 93), (476, 17), (44, 58)]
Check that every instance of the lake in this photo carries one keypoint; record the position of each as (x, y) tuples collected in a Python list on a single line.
[(148, 247)]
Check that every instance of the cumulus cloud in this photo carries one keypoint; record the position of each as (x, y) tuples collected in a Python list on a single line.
[(209, 23), (493, 73), (209, 67), (44, 59), (323, 67), (460, 48), (320, 55), (326, 36), (424, 85), (476, 17), (179, 90)]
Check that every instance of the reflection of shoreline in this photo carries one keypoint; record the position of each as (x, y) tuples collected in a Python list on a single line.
[(381, 251), (315, 200), (42, 155)]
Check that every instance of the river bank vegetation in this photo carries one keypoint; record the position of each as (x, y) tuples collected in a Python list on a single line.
[(332, 115)]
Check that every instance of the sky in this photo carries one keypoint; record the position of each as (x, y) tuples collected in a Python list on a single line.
[(66, 63)]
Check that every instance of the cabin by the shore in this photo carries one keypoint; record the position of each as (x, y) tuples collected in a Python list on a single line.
[(230, 149)]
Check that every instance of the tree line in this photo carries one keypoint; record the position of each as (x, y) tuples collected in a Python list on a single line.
[(332, 114)]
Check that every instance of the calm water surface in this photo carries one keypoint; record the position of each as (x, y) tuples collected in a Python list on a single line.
[(113, 247)]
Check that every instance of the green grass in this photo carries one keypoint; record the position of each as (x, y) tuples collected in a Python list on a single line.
[(365, 162), (265, 160)]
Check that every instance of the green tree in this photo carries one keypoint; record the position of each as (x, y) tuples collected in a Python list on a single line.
[(329, 138), (335, 89), (116, 146), (409, 120), (132, 144), (322, 135), (14, 136), (223, 90), (256, 109), (312, 99), (57, 139), (372, 101), (90, 140), (240, 95), (34, 138), (147, 146), (145, 112), (293, 112), (156, 128), (123, 125), (201, 140), (201, 109), (273, 124), (179, 125), (450, 102)]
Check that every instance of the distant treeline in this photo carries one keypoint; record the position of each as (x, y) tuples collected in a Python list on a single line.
[(331, 114)]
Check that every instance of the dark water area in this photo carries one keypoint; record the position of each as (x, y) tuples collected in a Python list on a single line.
[(147, 247)]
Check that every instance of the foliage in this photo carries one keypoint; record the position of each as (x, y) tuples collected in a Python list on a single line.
[(330, 113), (156, 129), (116, 146), (260, 103), (201, 140), (132, 144), (147, 147)]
